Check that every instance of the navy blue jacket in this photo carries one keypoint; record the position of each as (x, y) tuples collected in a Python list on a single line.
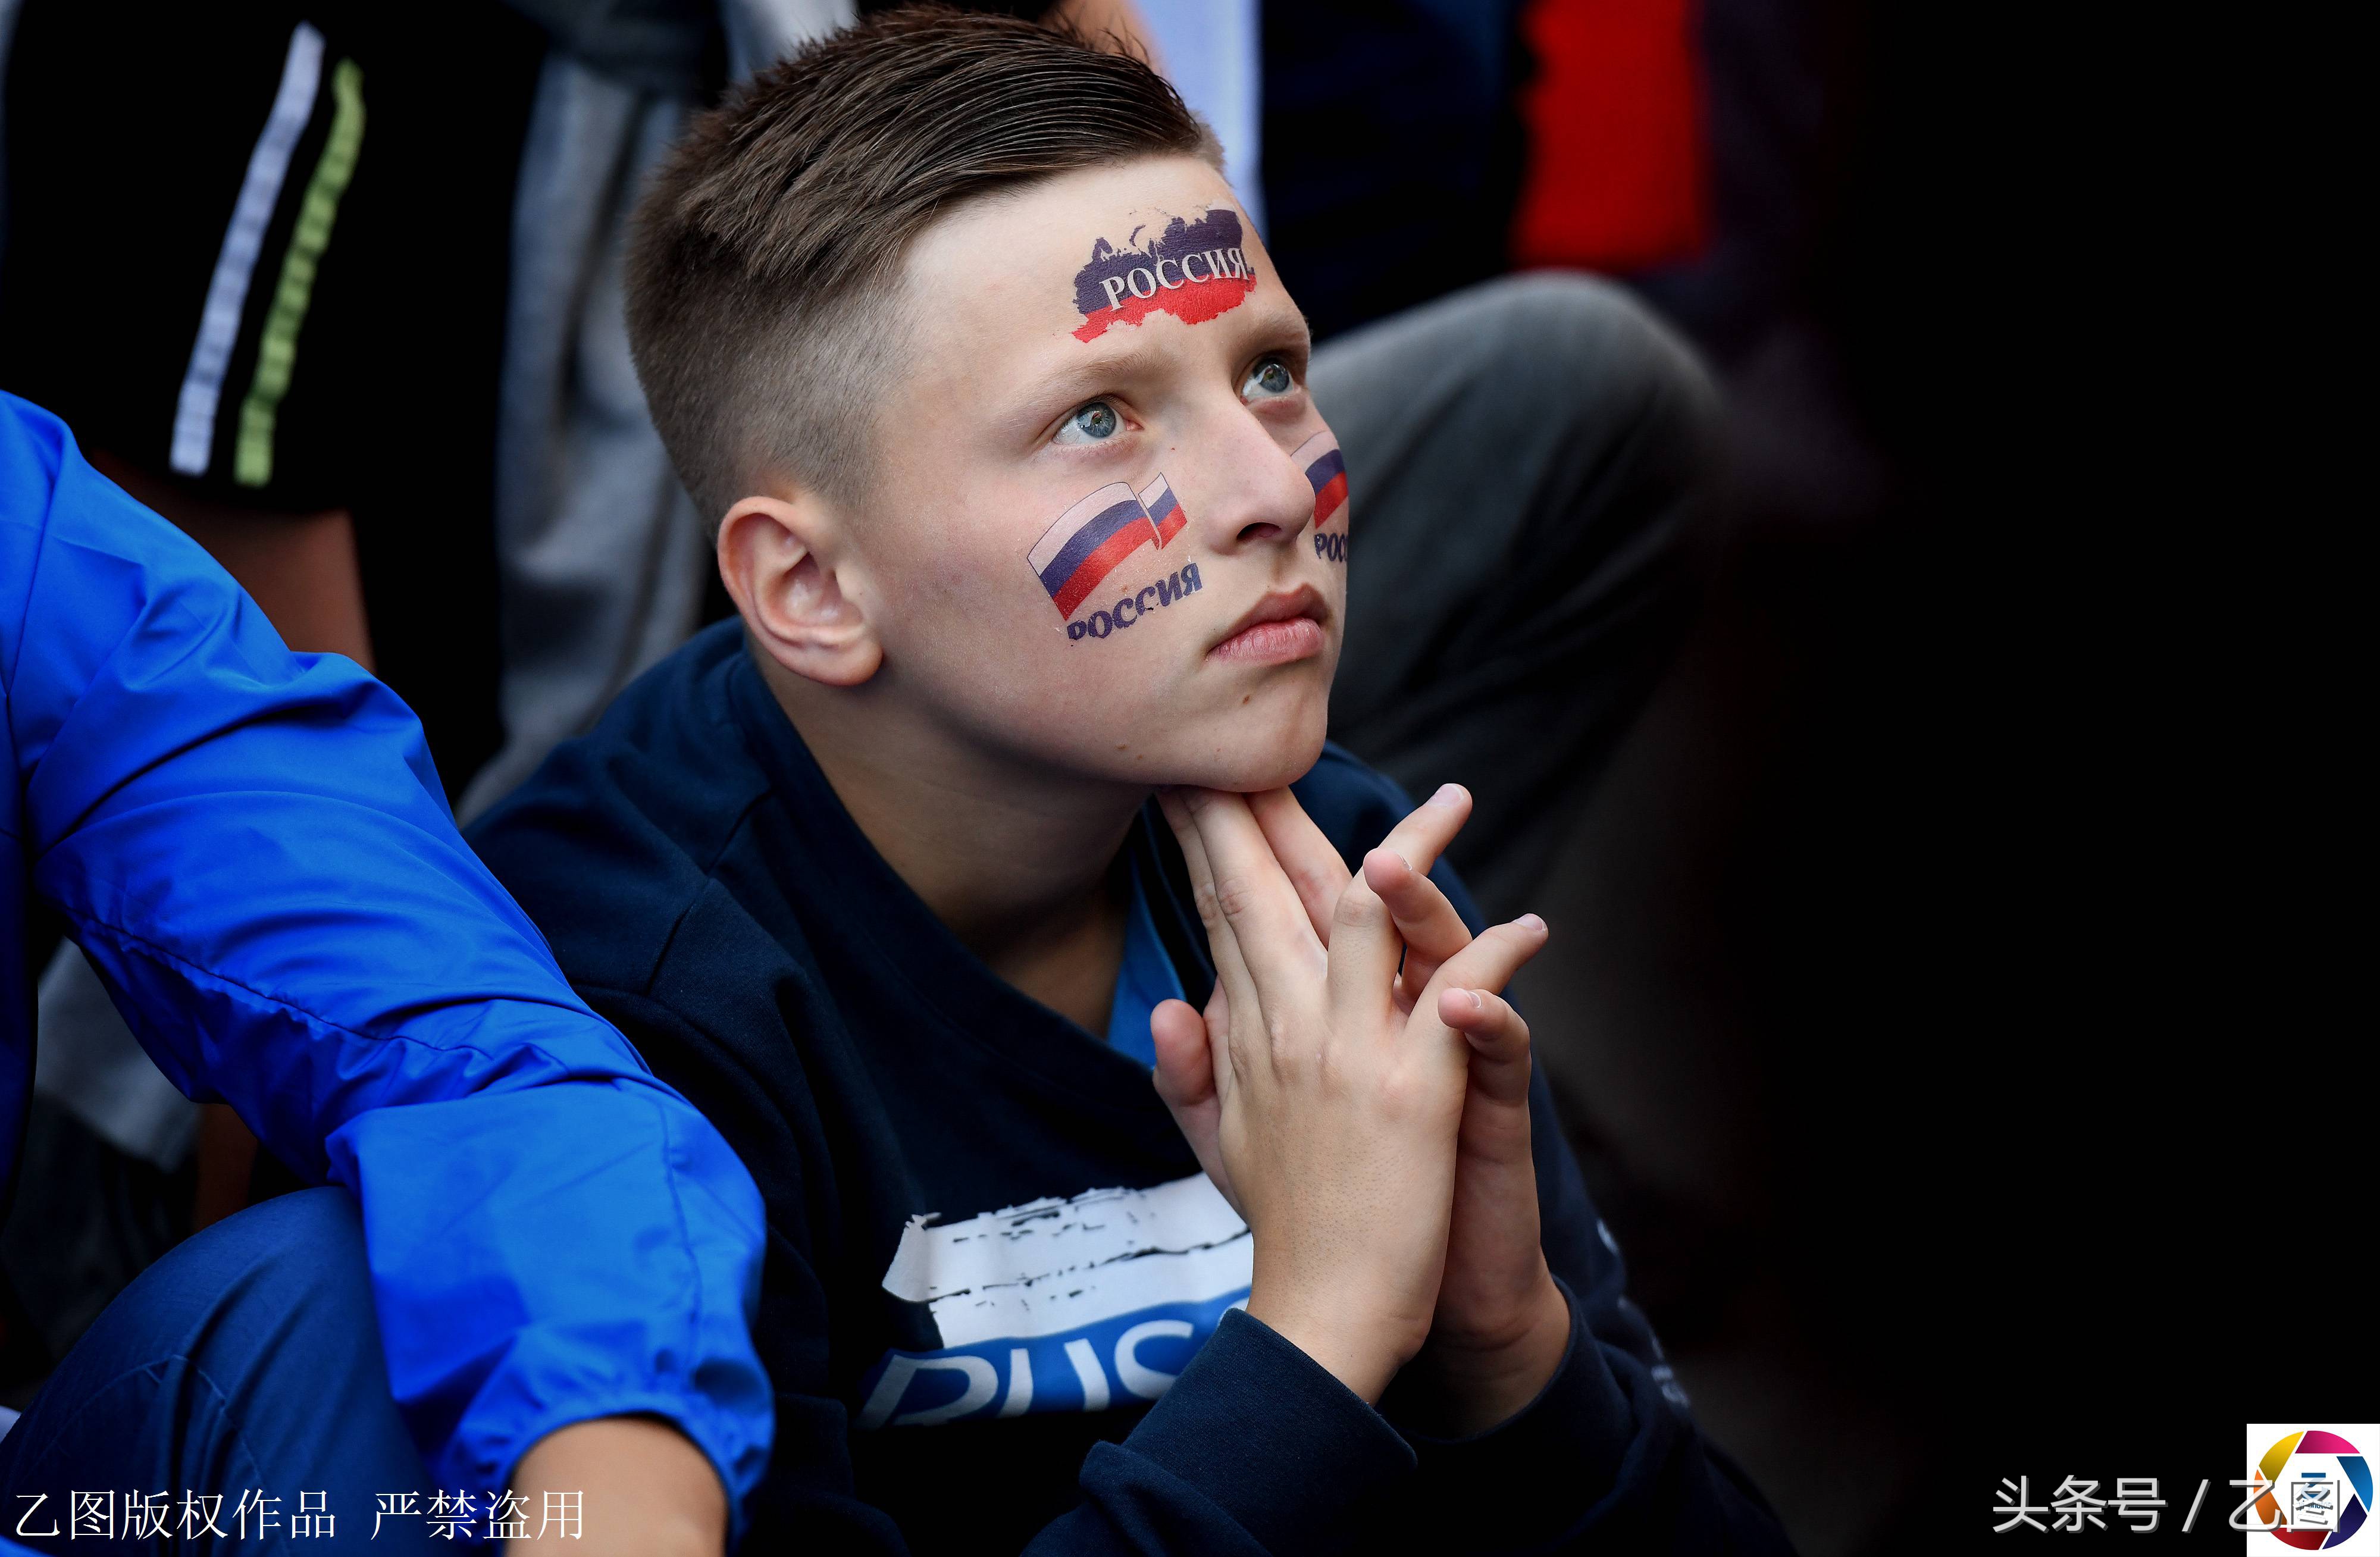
[(254, 851), (998, 1306)]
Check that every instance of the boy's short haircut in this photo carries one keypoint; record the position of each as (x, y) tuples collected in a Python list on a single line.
[(764, 259)]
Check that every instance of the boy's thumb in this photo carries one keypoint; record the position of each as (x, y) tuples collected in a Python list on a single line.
[(1185, 1072)]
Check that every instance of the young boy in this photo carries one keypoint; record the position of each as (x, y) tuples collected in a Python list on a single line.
[(1028, 517)]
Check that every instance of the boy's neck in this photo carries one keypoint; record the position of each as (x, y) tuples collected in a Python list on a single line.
[(1016, 862)]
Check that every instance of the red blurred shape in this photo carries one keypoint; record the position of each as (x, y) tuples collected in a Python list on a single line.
[(1619, 171)]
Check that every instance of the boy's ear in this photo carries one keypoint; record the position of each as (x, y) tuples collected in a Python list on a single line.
[(778, 559)]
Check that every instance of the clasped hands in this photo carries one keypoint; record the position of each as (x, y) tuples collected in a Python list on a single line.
[(1358, 1089)]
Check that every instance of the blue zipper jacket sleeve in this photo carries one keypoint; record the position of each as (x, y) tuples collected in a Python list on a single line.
[(254, 850)]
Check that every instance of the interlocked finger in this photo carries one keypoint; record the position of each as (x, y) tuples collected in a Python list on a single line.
[(1232, 980), (1488, 963), (1427, 922), (1363, 953), (1422, 835), (1283, 954), (1311, 859), (1499, 1039)]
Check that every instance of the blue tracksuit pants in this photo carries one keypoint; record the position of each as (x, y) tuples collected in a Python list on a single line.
[(246, 1365)]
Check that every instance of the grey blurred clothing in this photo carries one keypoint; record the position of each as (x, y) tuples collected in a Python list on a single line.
[(601, 556), (1528, 461), (91, 1066), (600, 559)]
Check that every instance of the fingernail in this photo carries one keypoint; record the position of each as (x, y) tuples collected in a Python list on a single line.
[(1446, 794), (1530, 921), (1476, 1002)]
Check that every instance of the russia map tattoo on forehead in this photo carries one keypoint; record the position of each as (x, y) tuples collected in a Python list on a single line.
[(1096, 536), (1192, 270)]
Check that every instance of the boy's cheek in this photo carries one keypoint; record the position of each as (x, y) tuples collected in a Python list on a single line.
[(1132, 646), (1005, 645), (1137, 654), (1109, 584), (1088, 637), (1117, 687), (1144, 606)]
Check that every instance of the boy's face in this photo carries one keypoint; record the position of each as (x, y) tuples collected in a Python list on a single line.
[(1107, 533)]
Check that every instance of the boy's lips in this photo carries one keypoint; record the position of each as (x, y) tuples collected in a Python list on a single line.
[(1279, 629)]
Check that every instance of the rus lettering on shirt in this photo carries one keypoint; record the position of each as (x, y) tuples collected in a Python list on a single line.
[(1081, 1304)]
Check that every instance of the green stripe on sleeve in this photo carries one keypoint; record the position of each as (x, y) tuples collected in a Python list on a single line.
[(277, 355)]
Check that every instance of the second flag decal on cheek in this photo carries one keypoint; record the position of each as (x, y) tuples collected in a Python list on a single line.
[(1326, 472)]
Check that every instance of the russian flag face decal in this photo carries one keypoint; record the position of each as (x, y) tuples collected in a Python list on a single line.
[(1087, 543), (1094, 538), (1326, 473), (1164, 509), (1192, 270)]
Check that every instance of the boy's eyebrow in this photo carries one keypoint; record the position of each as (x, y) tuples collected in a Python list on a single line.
[(1084, 375)]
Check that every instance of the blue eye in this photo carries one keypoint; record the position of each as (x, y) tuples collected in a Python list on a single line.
[(1090, 425), (1268, 379)]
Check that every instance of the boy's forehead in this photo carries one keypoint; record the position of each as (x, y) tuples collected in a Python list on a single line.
[(1069, 257)]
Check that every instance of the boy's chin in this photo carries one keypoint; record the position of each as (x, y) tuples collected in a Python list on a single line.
[(1249, 762)]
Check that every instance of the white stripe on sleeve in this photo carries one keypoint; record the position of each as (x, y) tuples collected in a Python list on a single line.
[(260, 191)]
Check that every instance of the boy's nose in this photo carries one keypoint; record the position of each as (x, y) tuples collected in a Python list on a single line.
[(1259, 496)]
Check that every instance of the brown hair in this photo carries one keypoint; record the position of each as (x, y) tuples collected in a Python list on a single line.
[(764, 259)]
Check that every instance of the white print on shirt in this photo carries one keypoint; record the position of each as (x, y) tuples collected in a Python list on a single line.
[(1061, 1304)]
